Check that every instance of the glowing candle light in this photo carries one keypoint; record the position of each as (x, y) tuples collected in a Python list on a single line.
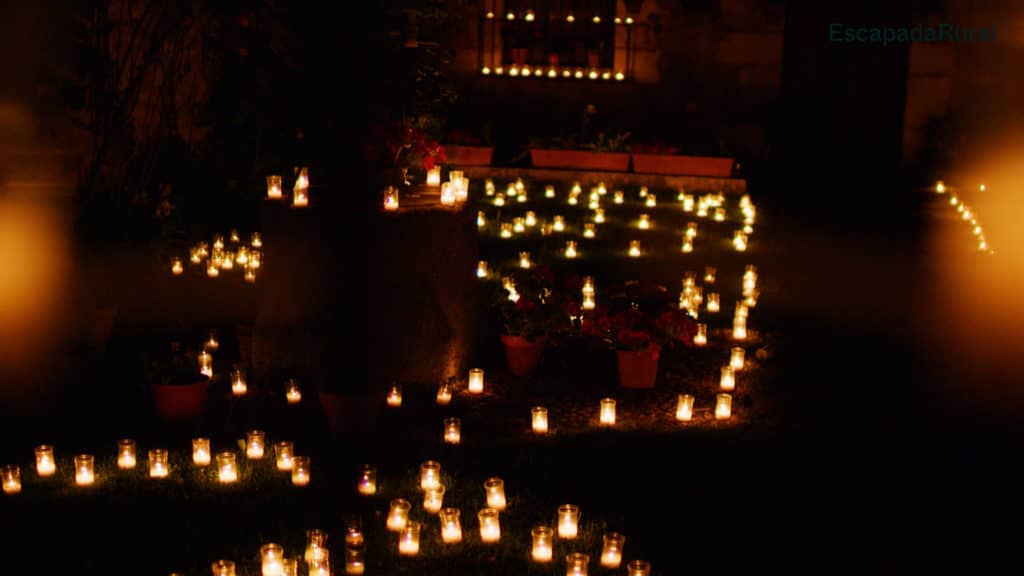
[(611, 553), (739, 241), (433, 498), (570, 249), (223, 568), (524, 259), (206, 364), (250, 275), (558, 225), (589, 230), (444, 395), (531, 219), (737, 358), (543, 544), (257, 240), (194, 256), (489, 187), (701, 337), (490, 527), (518, 225), (271, 556), (227, 469), (300, 471), (395, 396), (409, 539), (634, 248), (588, 285), (300, 192), (607, 412), (549, 191), (201, 451), (618, 197), (651, 201), (367, 484), (519, 185), (638, 568), (452, 431), (430, 475), (177, 268), (285, 451), (702, 210), (274, 187), (242, 256), (451, 526), (739, 327), (499, 200), (588, 302), (126, 454), (391, 198), (728, 380), (568, 520), (576, 564), (506, 229), (688, 203), (714, 302), (719, 215), (227, 261), (434, 176), (159, 467), (84, 475), (644, 223), (238, 385), (398, 514), (684, 408), (476, 378), (447, 194), (723, 406), (254, 444), (599, 216), (643, 192), (255, 259), (355, 562), (319, 568), (316, 546), (353, 530), (709, 274), (691, 230), (539, 420), (521, 197), (11, 479), (494, 488), (687, 246), (481, 269)]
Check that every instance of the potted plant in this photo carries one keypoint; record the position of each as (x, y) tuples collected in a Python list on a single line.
[(664, 159), (530, 312), (640, 321), (179, 389), (465, 149), (593, 148), (413, 150)]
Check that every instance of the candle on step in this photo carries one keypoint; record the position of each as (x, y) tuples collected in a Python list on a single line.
[(728, 380), (271, 557), (238, 384), (737, 358), (367, 485), (589, 230), (227, 468), (11, 479), (714, 303), (274, 187), (451, 526), (391, 198), (576, 564), (254, 444), (739, 327), (285, 453), (524, 259), (634, 248), (539, 420), (611, 554), (607, 416), (638, 568), (568, 521), (599, 216), (570, 249), (223, 568), (355, 562), (353, 530), (618, 197), (292, 391), (434, 176), (476, 381), (723, 407), (398, 514), (444, 395), (201, 451), (409, 539), (447, 194), (177, 267), (684, 408), (490, 527), (126, 454), (701, 337), (644, 223), (433, 499), (430, 475), (300, 192), (543, 544), (549, 191), (494, 488), (159, 467), (206, 364), (558, 224), (316, 546), (452, 431), (481, 269)]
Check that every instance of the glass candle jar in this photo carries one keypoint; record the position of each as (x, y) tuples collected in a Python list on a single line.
[(644, 223), (292, 391), (539, 420), (11, 479), (290, 567), (543, 544), (651, 201), (709, 274), (227, 468), (634, 248), (599, 216), (285, 451), (524, 259), (737, 358), (430, 475), (494, 488), (481, 269), (490, 528), (254, 444), (638, 568), (238, 384), (476, 380), (353, 530), (126, 454), (684, 408), (355, 561), (433, 499), (319, 568), (444, 395), (223, 567), (558, 224), (723, 407), (395, 396), (201, 451), (570, 249), (588, 302), (739, 327), (481, 219), (728, 380), (398, 514), (274, 187), (506, 229), (367, 484), (300, 191), (549, 191), (447, 194), (84, 475), (611, 553), (451, 526), (300, 471), (434, 176), (499, 200), (687, 246), (576, 564), (271, 557), (391, 198), (619, 197), (701, 337), (409, 539), (316, 546), (608, 412), (531, 219), (714, 302), (589, 230), (177, 266), (206, 364), (568, 521), (159, 466), (452, 431), (249, 275)]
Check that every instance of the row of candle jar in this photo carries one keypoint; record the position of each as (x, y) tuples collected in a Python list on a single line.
[(300, 190), (444, 392), (239, 387)]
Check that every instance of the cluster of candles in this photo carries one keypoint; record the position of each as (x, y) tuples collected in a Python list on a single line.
[(570, 17), (967, 216), (455, 190), (159, 466), (274, 562), (218, 256), (300, 189), (526, 71)]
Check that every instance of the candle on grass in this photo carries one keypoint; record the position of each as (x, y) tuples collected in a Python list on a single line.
[(84, 474), (539, 420), (126, 454), (543, 544), (274, 187), (300, 471), (611, 553), (576, 564), (490, 527), (684, 408), (367, 484), (476, 380), (607, 416), (409, 539), (451, 526), (11, 479), (444, 395), (201, 451), (433, 499), (701, 337), (254, 444), (316, 546), (159, 467), (355, 562), (568, 521), (452, 431), (227, 468), (398, 514), (271, 557), (494, 488), (728, 380), (737, 358), (285, 453), (723, 407), (430, 475)]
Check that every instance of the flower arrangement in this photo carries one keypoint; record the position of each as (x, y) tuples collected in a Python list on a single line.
[(640, 317), (412, 147), (529, 304)]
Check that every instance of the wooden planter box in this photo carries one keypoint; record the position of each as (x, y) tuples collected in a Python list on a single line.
[(469, 155), (580, 159), (682, 165)]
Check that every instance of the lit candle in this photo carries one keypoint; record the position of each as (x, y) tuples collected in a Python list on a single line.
[(274, 187), (644, 223), (576, 564), (319, 568), (719, 215), (177, 268), (599, 216), (701, 337), (300, 192), (739, 327), (206, 364), (728, 380), (499, 200), (558, 225), (430, 475), (201, 451), (271, 556), (395, 396), (634, 248), (588, 302), (354, 561), (651, 201), (494, 488), (238, 385), (619, 197), (257, 240), (398, 515), (285, 452), (549, 191), (452, 431), (391, 198), (573, 199), (940, 187), (290, 567), (714, 302), (481, 269), (723, 407), (543, 544), (568, 519), (353, 530), (84, 475), (227, 261), (227, 469), (254, 444), (489, 187), (521, 197), (506, 229), (540, 420), (223, 568), (451, 526), (367, 484), (576, 188), (570, 249), (194, 256), (433, 499), (611, 554), (159, 467), (250, 275), (490, 528), (300, 470), (11, 479), (126, 454), (638, 568), (444, 395), (737, 358), (608, 412), (687, 246), (684, 408), (316, 546), (518, 225), (688, 203), (739, 241), (589, 230), (691, 230), (292, 391), (409, 539), (447, 194), (434, 176)]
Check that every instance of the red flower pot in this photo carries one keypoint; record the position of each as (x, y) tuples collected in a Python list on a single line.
[(469, 155), (523, 355), (180, 402), (580, 159), (682, 165), (638, 369)]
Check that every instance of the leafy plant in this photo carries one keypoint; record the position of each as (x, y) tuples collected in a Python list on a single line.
[(603, 142), (640, 317), (529, 304)]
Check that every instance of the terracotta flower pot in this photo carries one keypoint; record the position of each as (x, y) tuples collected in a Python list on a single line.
[(522, 355), (469, 155), (579, 159), (638, 369), (180, 402), (682, 165)]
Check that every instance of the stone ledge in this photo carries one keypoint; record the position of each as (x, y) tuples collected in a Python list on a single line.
[(690, 183)]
